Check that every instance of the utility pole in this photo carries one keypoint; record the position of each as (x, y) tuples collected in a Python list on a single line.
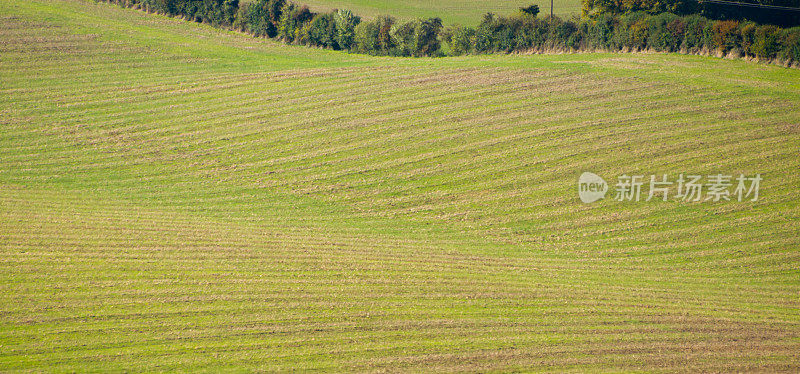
[(551, 21)]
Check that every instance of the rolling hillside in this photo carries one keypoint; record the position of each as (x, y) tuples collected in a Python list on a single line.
[(176, 197)]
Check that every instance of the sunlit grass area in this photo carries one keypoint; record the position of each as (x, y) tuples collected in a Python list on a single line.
[(176, 197)]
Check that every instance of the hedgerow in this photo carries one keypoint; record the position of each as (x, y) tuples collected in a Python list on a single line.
[(636, 29)]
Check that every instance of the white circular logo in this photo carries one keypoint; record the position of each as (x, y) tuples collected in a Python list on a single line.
[(591, 187)]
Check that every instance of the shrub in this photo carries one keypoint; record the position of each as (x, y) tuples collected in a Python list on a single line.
[(767, 42), (747, 37), (601, 31), (638, 34), (694, 34), (484, 34), (263, 16), (665, 32), (576, 38), (677, 27), (726, 35), (375, 37), (566, 34), (460, 39), (533, 33), (790, 43), (273, 10), (322, 31), (497, 33), (505, 38), (426, 37), (292, 20), (708, 36), (402, 38), (168, 7), (228, 12), (366, 37), (240, 21), (630, 31), (385, 42), (216, 12), (346, 24)]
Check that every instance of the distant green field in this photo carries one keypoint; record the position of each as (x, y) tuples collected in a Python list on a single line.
[(176, 197), (464, 12)]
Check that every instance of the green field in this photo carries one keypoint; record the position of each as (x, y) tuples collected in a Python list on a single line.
[(463, 12), (176, 197)]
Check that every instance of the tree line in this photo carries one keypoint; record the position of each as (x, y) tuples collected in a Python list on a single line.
[(634, 31), (525, 31), (292, 23)]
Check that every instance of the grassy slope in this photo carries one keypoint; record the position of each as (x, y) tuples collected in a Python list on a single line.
[(174, 196), (464, 12)]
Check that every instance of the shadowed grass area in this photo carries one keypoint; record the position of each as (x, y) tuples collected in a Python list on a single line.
[(176, 197)]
